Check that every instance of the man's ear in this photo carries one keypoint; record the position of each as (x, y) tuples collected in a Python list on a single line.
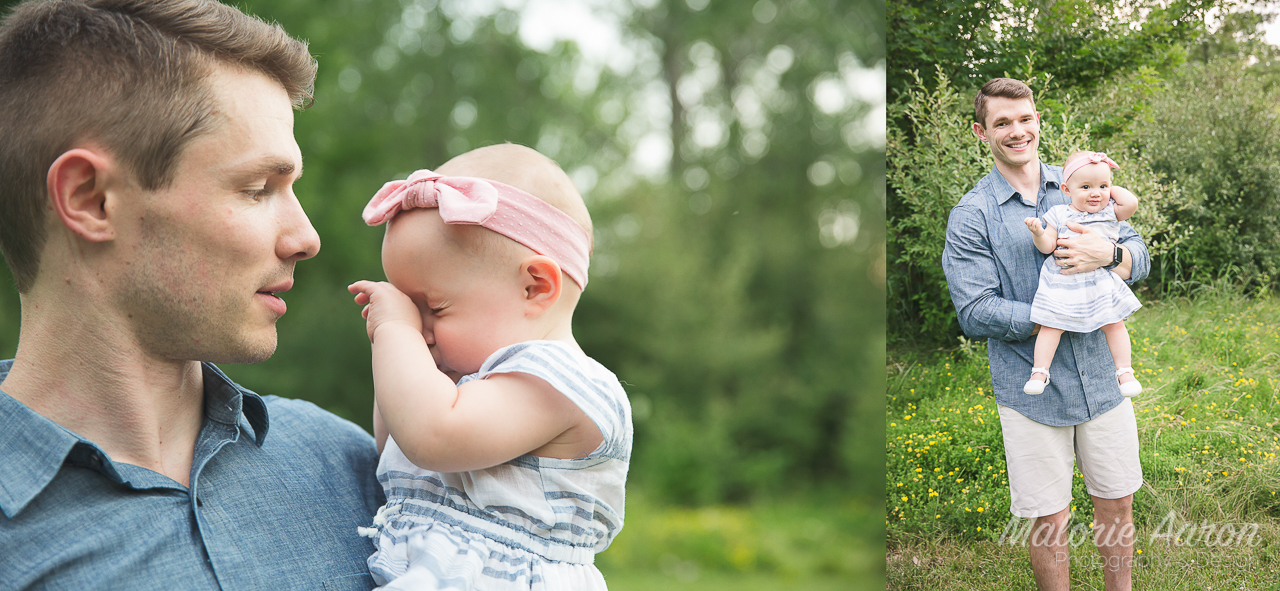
[(542, 282), (979, 131), (77, 184)]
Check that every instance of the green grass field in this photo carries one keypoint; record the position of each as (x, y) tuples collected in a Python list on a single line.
[(818, 541), (648, 581), (1209, 438), (984, 565)]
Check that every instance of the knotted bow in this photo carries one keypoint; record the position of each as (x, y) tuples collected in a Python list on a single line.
[(493, 205), (462, 200), (1092, 158)]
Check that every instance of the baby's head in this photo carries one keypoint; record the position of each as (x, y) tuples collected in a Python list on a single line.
[(516, 278), (1086, 180)]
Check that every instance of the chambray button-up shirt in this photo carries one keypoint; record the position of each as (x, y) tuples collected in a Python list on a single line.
[(993, 270), (275, 511)]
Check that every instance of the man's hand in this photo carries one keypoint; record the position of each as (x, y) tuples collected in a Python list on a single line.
[(384, 304), (1085, 252)]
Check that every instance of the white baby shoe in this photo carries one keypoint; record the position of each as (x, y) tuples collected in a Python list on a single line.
[(1129, 389), (1036, 386)]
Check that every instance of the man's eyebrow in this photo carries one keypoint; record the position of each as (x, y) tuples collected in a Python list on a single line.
[(273, 167), (1000, 118)]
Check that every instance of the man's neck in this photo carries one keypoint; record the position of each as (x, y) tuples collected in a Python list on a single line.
[(1024, 179), (139, 409)]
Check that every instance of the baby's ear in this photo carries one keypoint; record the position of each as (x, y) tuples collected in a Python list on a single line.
[(542, 282)]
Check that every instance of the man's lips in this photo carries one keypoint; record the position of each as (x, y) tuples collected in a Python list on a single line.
[(278, 287), (272, 300)]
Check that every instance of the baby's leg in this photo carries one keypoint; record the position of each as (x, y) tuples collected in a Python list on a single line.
[(1046, 346), (1118, 341)]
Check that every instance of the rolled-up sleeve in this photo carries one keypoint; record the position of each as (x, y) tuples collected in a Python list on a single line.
[(973, 278), (1138, 249)]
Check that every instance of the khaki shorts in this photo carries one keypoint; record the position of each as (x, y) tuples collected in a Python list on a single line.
[(1041, 458)]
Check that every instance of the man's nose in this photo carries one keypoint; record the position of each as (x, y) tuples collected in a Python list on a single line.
[(298, 238)]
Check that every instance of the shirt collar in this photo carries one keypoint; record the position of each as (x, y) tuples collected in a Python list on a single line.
[(228, 403), (1050, 177), (33, 448)]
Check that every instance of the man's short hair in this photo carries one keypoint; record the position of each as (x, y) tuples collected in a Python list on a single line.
[(126, 75), (1003, 88)]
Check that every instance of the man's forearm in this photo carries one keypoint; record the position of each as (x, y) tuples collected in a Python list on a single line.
[(1136, 258), (973, 279), (993, 317)]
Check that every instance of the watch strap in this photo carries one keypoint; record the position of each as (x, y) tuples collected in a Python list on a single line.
[(1117, 257)]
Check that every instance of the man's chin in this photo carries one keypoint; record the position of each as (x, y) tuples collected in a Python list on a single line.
[(1015, 159), (244, 353)]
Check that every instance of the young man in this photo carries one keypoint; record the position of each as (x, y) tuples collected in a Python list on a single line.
[(148, 216), (992, 271)]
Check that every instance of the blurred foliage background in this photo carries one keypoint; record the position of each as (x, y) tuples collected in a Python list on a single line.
[(732, 157)]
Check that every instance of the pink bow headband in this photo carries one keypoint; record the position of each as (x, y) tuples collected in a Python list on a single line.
[(496, 206), (1092, 158)]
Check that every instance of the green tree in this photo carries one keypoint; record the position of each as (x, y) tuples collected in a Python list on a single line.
[(1081, 44), (769, 229), (1240, 34)]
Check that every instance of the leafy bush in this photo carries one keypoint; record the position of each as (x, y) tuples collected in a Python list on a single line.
[(926, 178), (1215, 132)]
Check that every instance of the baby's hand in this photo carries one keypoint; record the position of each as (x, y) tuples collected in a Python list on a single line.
[(385, 304), (1033, 224)]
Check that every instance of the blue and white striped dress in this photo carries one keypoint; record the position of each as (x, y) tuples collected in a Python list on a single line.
[(531, 523), (1081, 302)]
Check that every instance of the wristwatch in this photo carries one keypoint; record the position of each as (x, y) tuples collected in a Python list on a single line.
[(1117, 258)]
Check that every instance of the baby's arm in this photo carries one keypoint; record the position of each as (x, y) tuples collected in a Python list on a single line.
[(1126, 203), (379, 428), (441, 426), (1045, 237)]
